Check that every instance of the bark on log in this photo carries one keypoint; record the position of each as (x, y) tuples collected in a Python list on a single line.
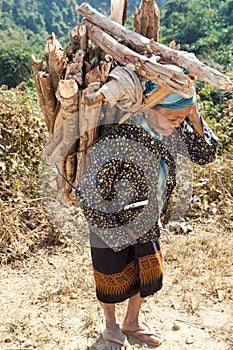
[(146, 19), (140, 43), (93, 76), (67, 95), (45, 82), (37, 67), (78, 38), (71, 165), (88, 122), (45, 92), (56, 60), (61, 165), (74, 70), (144, 66), (54, 140), (105, 68)]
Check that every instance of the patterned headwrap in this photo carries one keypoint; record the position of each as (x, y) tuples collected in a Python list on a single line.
[(173, 101)]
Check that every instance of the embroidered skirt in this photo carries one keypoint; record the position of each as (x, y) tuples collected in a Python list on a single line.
[(120, 275)]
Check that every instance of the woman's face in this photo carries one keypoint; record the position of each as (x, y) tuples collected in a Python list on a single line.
[(175, 116)]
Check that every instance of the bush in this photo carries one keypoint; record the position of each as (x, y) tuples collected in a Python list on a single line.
[(23, 223)]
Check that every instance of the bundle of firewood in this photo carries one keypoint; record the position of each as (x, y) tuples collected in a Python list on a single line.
[(69, 94)]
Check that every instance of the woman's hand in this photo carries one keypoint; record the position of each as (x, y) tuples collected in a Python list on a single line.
[(195, 120), (194, 115)]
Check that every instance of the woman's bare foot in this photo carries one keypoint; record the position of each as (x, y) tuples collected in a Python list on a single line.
[(115, 339)]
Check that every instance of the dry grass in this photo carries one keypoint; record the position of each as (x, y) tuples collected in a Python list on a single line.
[(24, 227), (213, 184), (202, 264), (24, 224)]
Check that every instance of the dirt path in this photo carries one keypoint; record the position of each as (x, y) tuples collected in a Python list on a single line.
[(49, 303)]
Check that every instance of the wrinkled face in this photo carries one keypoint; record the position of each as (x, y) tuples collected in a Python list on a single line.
[(175, 116)]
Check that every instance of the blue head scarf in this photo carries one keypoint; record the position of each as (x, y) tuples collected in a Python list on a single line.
[(173, 101)]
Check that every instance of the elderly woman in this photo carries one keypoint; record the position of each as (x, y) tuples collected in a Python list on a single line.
[(126, 254)]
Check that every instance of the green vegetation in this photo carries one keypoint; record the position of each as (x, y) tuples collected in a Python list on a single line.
[(204, 27)]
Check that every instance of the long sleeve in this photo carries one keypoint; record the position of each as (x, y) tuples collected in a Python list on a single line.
[(201, 149)]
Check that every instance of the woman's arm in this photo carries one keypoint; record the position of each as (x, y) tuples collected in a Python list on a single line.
[(196, 121), (199, 138)]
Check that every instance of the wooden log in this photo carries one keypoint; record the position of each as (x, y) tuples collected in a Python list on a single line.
[(70, 167), (37, 65), (119, 11), (67, 95), (74, 69), (141, 43), (88, 122), (61, 165), (78, 38), (54, 140), (93, 98), (56, 60), (45, 92), (146, 19), (76, 53), (173, 45), (36, 68), (93, 76), (155, 97), (105, 68), (46, 86), (73, 72), (144, 66), (64, 147), (148, 102)]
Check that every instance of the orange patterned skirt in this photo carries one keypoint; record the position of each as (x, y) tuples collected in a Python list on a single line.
[(120, 275)]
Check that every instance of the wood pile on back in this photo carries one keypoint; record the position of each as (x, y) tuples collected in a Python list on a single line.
[(68, 90)]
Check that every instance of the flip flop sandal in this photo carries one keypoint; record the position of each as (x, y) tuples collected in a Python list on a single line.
[(109, 341), (147, 335)]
